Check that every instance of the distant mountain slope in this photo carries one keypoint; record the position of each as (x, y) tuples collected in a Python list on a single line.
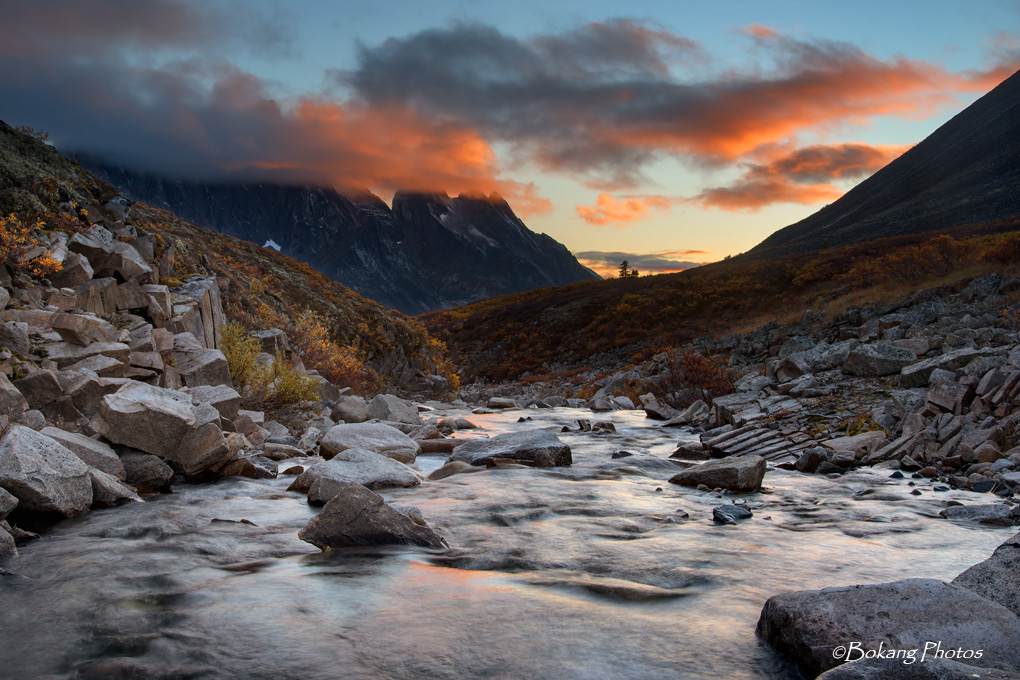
[(966, 172), (429, 252)]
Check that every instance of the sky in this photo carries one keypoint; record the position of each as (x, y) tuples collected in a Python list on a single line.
[(667, 133)]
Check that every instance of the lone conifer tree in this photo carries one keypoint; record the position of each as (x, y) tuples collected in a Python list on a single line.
[(625, 270)]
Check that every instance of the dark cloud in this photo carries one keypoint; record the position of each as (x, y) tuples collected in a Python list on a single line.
[(618, 95)]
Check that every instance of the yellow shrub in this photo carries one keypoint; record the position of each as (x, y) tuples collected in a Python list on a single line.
[(18, 239), (267, 387)]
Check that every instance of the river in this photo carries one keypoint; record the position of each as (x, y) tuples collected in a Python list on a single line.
[(588, 572)]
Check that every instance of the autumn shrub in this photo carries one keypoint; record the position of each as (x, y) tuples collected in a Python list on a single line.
[(690, 376), (18, 241), (269, 387), (338, 364)]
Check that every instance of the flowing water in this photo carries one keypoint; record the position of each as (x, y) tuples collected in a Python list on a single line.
[(584, 572)]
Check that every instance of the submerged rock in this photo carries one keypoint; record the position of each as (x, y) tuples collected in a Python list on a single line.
[(357, 516), (729, 514)]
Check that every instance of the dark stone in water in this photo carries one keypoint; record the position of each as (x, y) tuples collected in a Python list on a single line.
[(983, 486), (896, 475), (729, 514), (622, 454)]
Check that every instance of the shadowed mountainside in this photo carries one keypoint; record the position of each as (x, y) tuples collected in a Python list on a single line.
[(430, 251), (966, 172)]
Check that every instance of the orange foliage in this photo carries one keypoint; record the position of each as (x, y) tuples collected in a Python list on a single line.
[(21, 249), (689, 376)]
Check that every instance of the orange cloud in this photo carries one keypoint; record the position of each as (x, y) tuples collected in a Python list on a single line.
[(801, 176), (607, 264), (611, 210), (759, 31)]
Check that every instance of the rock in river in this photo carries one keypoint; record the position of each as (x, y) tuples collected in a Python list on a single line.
[(389, 441), (371, 470), (357, 516), (540, 447), (741, 473), (812, 626)]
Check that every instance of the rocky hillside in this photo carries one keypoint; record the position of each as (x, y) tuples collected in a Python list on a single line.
[(428, 252), (258, 286), (606, 324), (966, 172)]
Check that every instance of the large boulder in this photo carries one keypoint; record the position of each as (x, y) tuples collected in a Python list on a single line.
[(92, 452), (377, 437), (878, 359), (371, 470), (539, 447), (816, 627), (151, 419), (357, 516), (204, 291), (199, 365), (350, 410), (393, 409), (203, 449), (997, 577), (741, 473), (42, 474), (41, 388)]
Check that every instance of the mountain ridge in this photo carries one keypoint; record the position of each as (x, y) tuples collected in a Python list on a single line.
[(427, 251), (965, 172)]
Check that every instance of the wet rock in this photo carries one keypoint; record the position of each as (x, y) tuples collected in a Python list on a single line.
[(729, 514), (912, 668), (371, 470), (92, 452), (107, 491), (501, 403), (810, 459), (42, 474), (151, 419), (8, 548), (350, 410), (147, 472), (454, 468), (254, 467), (690, 451), (877, 359), (539, 447), (393, 409), (741, 474), (976, 513), (376, 437), (357, 516), (809, 626)]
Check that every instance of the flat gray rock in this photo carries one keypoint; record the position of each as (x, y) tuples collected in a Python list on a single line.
[(997, 578), (93, 452), (741, 474), (151, 419), (376, 437), (540, 447), (371, 470), (905, 668)]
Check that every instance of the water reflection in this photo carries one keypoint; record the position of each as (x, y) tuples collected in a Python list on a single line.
[(601, 570)]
